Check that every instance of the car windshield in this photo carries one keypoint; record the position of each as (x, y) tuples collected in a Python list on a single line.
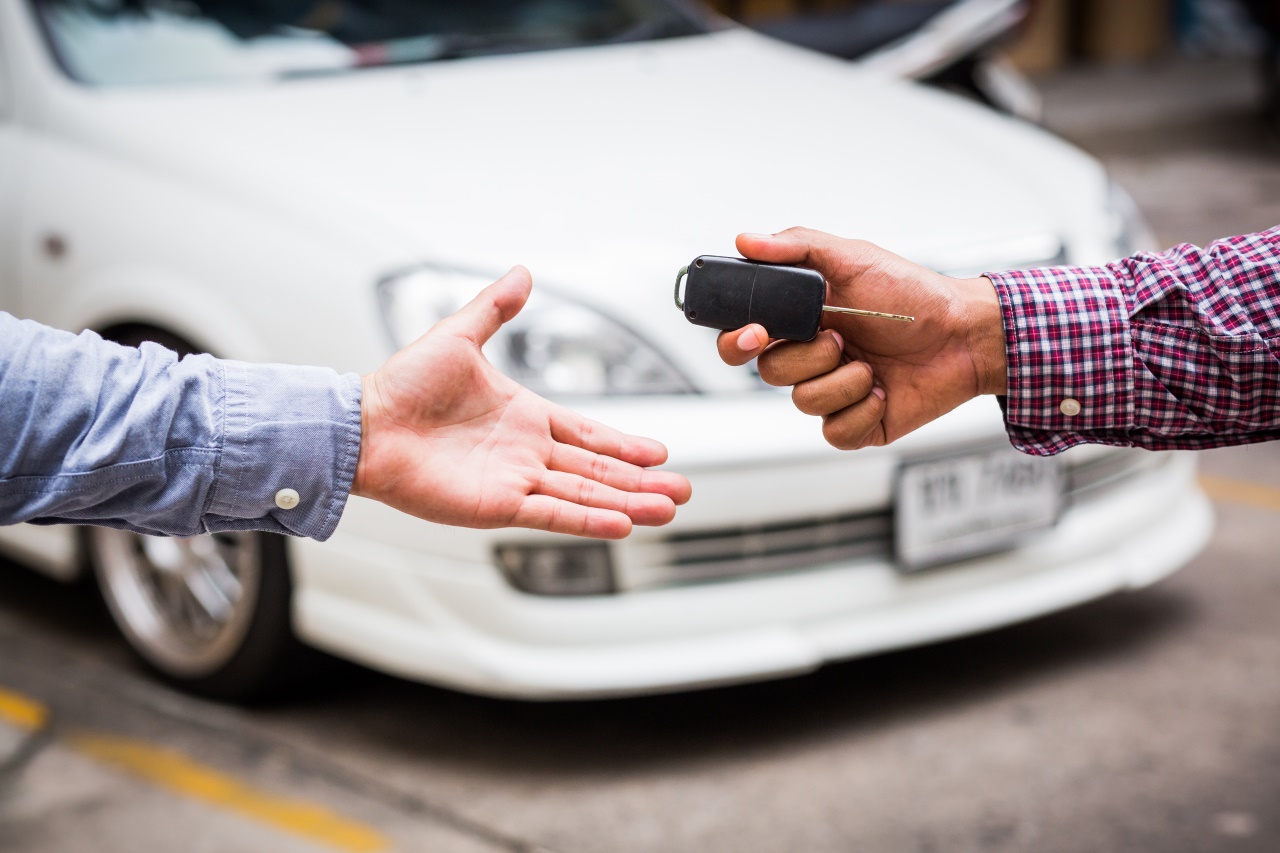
[(130, 42)]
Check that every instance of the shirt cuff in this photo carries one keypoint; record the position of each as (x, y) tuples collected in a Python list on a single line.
[(1070, 370), (290, 442)]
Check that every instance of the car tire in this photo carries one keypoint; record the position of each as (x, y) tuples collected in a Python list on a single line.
[(210, 614)]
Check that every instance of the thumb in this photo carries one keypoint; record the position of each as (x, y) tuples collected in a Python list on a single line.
[(496, 304)]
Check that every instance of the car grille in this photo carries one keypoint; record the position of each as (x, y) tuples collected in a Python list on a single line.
[(1097, 476), (764, 549), (771, 548)]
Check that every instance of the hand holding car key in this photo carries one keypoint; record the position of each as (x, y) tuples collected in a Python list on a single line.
[(871, 382), (729, 293)]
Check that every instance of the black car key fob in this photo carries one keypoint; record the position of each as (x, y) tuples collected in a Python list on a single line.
[(729, 293)]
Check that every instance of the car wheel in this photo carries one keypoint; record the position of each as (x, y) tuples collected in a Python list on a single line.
[(211, 613)]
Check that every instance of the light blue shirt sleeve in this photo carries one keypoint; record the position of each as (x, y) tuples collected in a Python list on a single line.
[(92, 432)]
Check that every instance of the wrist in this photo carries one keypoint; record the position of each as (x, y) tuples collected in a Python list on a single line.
[(358, 481), (983, 325)]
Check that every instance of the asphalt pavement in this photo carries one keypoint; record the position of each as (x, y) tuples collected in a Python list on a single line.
[(1146, 721)]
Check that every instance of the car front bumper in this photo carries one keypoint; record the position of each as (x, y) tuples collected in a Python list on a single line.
[(451, 619)]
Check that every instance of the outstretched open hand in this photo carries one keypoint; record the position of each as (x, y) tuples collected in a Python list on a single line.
[(873, 380), (448, 438)]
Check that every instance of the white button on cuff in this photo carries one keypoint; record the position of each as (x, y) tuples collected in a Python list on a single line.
[(1069, 407), (287, 498)]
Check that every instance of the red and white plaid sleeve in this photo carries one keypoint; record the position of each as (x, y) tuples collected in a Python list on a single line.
[(1178, 350)]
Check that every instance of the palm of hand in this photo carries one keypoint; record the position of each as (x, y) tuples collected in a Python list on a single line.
[(487, 438), (447, 438)]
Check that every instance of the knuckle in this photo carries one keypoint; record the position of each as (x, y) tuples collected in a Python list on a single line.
[(857, 381), (772, 368), (873, 438), (804, 399), (599, 469), (836, 432), (793, 363), (832, 351), (587, 433), (854, 427)]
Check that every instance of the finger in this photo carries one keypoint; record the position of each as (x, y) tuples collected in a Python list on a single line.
[(848, 384), (790, 362), (804, 246), (640, 507), (772, 248), (859, 425), (841, 261), (480, 318), (568, 427), (742, 345), (618, 474), (542, 512)]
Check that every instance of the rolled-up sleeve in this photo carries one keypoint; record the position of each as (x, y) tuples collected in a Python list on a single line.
[(135, 438)]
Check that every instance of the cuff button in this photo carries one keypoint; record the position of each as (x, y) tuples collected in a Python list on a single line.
[(287, 498), (1070, 407)]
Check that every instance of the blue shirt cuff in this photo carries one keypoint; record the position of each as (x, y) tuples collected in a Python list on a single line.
[(285, 428)]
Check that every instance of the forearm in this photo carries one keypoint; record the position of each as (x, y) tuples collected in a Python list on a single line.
[(1160, 351), (96, 433)]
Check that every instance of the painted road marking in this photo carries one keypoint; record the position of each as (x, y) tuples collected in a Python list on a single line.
[(1241, 492), (175, 772), (17, 710)]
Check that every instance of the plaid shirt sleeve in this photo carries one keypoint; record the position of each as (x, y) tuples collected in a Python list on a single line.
[(1178, 350)]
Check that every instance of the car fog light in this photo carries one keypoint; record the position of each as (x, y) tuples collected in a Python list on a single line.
[(575, 569)]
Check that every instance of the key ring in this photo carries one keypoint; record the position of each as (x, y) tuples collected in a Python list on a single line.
[(684, 271)]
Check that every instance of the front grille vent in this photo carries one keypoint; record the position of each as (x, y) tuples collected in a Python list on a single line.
[(748, 550), (761, 549)]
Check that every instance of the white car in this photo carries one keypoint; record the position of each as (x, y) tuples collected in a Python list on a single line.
[(320, 182)]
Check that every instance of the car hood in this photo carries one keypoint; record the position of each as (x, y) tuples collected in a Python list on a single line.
[(606, 169)]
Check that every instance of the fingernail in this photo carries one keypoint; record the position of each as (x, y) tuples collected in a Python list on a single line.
[(878, 391), (754, 236), (748, 340), (838, 338)]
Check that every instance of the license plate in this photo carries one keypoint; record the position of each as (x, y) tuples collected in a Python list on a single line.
[(962, 506)]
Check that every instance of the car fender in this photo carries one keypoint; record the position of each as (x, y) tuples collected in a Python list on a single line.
[(164, 299)]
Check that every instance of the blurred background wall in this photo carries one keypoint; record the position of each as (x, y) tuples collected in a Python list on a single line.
[(1065, 32)]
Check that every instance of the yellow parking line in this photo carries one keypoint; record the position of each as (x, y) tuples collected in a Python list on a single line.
[(18, 710), (180, 774), (1241, 492)]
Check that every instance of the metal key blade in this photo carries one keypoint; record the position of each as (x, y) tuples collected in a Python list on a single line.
[(859, 312)]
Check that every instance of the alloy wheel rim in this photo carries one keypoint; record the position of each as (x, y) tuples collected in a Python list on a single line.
[(185, 603)]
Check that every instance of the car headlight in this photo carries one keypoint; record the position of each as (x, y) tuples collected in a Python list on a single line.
[(1128, 228), (554, 347)]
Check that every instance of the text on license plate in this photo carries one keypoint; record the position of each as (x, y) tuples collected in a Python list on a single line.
[(965, 505)]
